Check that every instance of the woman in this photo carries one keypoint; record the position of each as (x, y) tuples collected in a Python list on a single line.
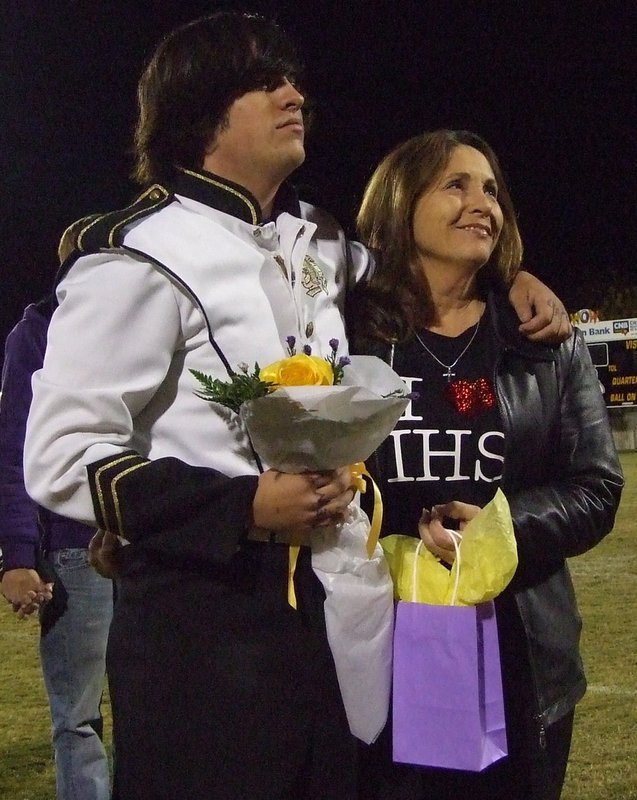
[(494, 410)]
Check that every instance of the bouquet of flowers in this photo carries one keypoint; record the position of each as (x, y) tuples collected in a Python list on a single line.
[(308, 413), (305, 412)]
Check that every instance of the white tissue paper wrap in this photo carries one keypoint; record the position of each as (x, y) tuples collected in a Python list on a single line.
[(300, 428), (359, 616)]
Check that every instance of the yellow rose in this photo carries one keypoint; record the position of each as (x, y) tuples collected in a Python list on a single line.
[(299, 370)]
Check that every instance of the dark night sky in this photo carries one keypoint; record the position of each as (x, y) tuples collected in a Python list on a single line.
[(551, 86)]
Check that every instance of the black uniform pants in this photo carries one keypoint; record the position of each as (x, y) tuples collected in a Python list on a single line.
[(220, 690)]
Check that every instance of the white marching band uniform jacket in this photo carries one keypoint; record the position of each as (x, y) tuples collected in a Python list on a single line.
[(134, 319), (117, 437)]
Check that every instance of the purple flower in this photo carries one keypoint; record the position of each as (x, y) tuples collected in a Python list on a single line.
[(413, 395), (291, 340), (344, 361), (333, 343), (307, 349)]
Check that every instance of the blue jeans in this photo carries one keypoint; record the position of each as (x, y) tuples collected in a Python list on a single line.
[(75, 628)]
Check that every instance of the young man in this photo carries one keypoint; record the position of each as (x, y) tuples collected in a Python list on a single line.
[(46, 568), (219, 688)]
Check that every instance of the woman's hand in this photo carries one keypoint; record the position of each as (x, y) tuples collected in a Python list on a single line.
[(438, 539), (300, 503), (541, 312)]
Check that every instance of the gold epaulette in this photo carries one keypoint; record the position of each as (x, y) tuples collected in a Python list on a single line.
[(104, 231)]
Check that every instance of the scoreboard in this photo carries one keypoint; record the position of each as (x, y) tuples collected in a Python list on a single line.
[(613, 348)]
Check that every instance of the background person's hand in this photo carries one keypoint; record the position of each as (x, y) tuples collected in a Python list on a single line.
[(25, 590)]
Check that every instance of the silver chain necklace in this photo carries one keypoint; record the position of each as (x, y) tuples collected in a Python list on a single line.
[(449, 374)]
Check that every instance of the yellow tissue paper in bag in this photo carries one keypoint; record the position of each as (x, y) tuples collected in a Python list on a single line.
[(488, 560)]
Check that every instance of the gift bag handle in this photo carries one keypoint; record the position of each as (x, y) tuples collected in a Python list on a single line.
[(456, 536)]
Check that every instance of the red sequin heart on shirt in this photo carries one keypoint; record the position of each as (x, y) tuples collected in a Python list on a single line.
[(471, 397)]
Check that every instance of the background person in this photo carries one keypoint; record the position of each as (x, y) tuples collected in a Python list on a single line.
[(46, 569), (494, 410)]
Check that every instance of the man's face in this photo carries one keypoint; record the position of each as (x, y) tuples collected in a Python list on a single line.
[(262, 140)]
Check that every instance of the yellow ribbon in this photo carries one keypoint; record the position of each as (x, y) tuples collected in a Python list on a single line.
[(358, 474), (359, 470), (293, 554)]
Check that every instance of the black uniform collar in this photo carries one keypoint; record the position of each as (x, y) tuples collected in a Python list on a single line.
[(231, 198)]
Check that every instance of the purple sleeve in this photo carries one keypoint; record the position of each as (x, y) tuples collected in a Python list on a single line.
[(24, 353)]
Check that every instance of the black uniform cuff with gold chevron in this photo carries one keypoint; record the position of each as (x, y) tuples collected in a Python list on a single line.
[(172, 507), (104, 477)]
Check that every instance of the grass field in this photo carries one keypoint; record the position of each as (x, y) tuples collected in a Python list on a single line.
[(603, 762)]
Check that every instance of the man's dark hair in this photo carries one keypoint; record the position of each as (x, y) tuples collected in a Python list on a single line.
[(192, 79)]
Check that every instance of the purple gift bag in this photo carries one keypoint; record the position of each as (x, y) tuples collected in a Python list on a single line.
[(448, 709)]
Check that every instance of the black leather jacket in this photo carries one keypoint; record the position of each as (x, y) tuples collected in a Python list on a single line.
[(563, 481)]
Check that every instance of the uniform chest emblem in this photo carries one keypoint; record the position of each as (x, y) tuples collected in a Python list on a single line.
[(313, 280)]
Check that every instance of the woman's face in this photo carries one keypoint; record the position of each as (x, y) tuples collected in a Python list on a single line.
[(457, 220)]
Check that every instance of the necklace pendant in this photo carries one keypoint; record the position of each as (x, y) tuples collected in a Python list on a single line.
[(448, 367)]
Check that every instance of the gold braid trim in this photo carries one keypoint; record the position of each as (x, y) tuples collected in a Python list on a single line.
[(219, 185), (114, 482), (98, 484)]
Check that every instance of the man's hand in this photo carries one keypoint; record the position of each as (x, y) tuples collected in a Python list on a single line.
[(102, 553), (301, 503), (541, 312), (25, 590), (438, 539)]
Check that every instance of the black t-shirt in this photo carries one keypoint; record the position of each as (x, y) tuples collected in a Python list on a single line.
[(449, 443)]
